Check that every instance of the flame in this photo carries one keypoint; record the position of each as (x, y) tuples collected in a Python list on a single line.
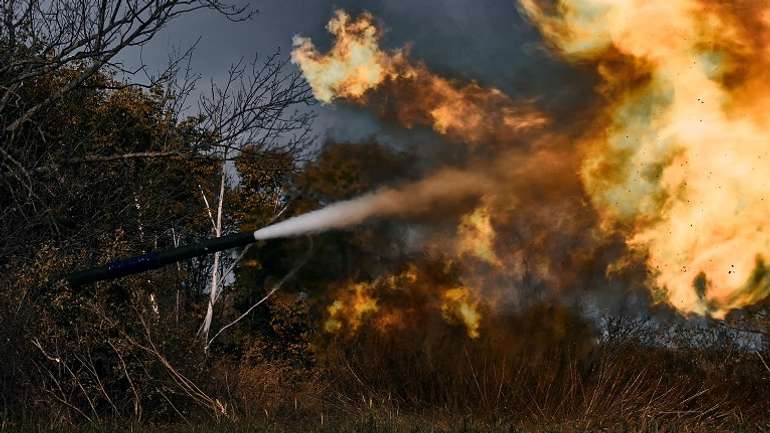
[(467, 112), (676, 162), (458, 305), (477, 236), (351, 309), (356, 65), (390, 320), (680, 163), (393, 302), (359, 301)]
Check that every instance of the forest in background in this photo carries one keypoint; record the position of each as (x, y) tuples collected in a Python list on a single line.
[(96, 167)]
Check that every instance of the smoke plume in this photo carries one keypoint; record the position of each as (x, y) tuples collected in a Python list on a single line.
[(528, 219), (442, 188), (659, 185)]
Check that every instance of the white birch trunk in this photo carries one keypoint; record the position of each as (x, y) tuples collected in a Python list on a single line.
[(214, 291)]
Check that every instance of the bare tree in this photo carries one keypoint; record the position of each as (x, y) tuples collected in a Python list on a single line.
[(250, 110), (43, 36), (84, 37), (74, 45), (93, 167), (216, 226)]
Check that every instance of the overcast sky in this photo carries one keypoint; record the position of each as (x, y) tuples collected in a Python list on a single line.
[(483, 40)]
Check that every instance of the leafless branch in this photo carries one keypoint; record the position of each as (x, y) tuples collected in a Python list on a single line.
[(270, 293)]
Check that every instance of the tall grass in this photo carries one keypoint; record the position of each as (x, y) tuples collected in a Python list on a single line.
[(524, 373), (532, 379)]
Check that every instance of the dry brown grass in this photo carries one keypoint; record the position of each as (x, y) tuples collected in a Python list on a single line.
[(552, 377)]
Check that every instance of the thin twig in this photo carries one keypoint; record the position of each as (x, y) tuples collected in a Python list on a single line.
[(763, 360), (270, 293)]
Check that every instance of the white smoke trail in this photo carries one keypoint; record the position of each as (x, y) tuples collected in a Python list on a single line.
[(444, 187), (337, 215)]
